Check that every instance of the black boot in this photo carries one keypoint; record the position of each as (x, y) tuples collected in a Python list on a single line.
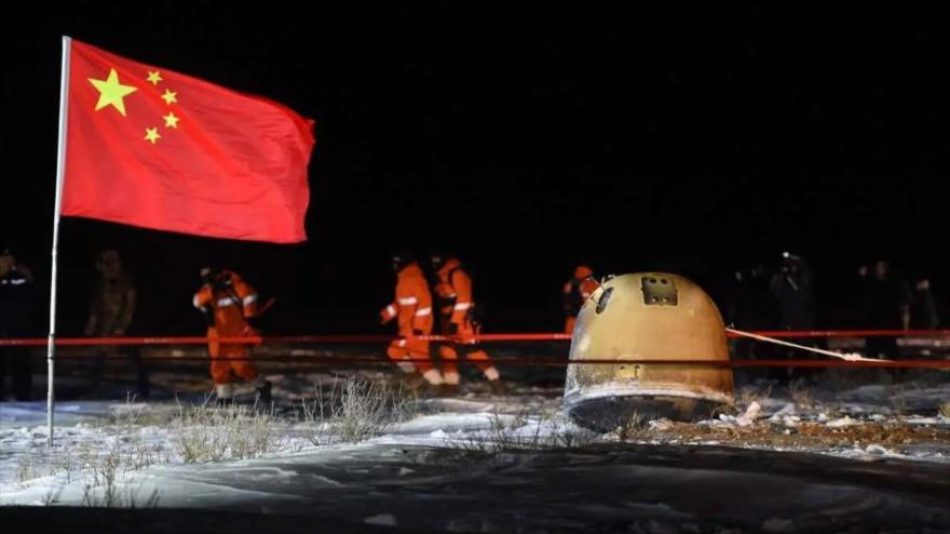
[(263, 393), (224, 394)]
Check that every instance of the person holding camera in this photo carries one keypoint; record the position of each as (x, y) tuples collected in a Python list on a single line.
[(229, 304), (792, 289), (885, 306)]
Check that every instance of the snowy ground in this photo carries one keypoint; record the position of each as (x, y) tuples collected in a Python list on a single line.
[(835, 456)]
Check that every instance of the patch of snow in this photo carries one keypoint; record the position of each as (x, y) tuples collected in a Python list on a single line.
[(919, 420), (724, 421), (842, 422), (383, 520), (791, 421), (655, 527), (751, 414), (447, 422), (661, 424), (874, 448), (777, 524), (786, 416), (788, 409)]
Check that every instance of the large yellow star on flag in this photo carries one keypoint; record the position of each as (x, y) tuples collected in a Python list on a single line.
[(111, 92)]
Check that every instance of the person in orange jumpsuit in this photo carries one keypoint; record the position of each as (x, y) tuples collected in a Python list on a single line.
[(457, 319), (229, 302), (412, 308), (576, 291)]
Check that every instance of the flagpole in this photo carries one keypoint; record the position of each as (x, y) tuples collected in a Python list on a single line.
[(60, 171)]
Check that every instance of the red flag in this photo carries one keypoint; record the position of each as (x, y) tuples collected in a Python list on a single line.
[(149, 147)]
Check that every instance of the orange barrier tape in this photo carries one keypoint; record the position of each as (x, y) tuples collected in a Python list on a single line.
[(344, 361), (343, 339)]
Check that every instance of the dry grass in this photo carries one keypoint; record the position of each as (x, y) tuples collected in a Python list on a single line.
[(106, 463), (106, 466), (631, 427), (524, 431), (750, 394), (205, 434), (899, 402), (25, 468), (354, 410), (801, 394), (107, 470)]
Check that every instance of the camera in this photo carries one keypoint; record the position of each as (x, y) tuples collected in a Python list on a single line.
[(788, 257)]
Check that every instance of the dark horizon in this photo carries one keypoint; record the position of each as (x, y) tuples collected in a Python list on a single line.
[(525, 141)]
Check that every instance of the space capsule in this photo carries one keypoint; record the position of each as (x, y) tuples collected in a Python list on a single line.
[(647, 316)]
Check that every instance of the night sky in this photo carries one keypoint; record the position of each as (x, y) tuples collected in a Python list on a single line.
[(525, 140)]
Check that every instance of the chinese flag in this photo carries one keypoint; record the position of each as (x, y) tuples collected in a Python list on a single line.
[(153, 148)]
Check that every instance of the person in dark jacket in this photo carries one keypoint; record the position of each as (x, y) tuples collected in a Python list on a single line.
[(923, 306), (16, 320), (885, 306), (792, 289), (752, 308), (110, 315)]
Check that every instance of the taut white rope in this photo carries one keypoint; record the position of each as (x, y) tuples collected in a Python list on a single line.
[(851, 356)]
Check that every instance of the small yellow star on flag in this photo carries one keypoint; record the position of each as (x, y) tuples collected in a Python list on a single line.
[(154, 77), (171, 121), (170, 97), (152, 135), (111, 92)]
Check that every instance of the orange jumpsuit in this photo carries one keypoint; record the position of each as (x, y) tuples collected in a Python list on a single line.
[(232, 306), (576, 292), (456, 306), (413, 311)]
